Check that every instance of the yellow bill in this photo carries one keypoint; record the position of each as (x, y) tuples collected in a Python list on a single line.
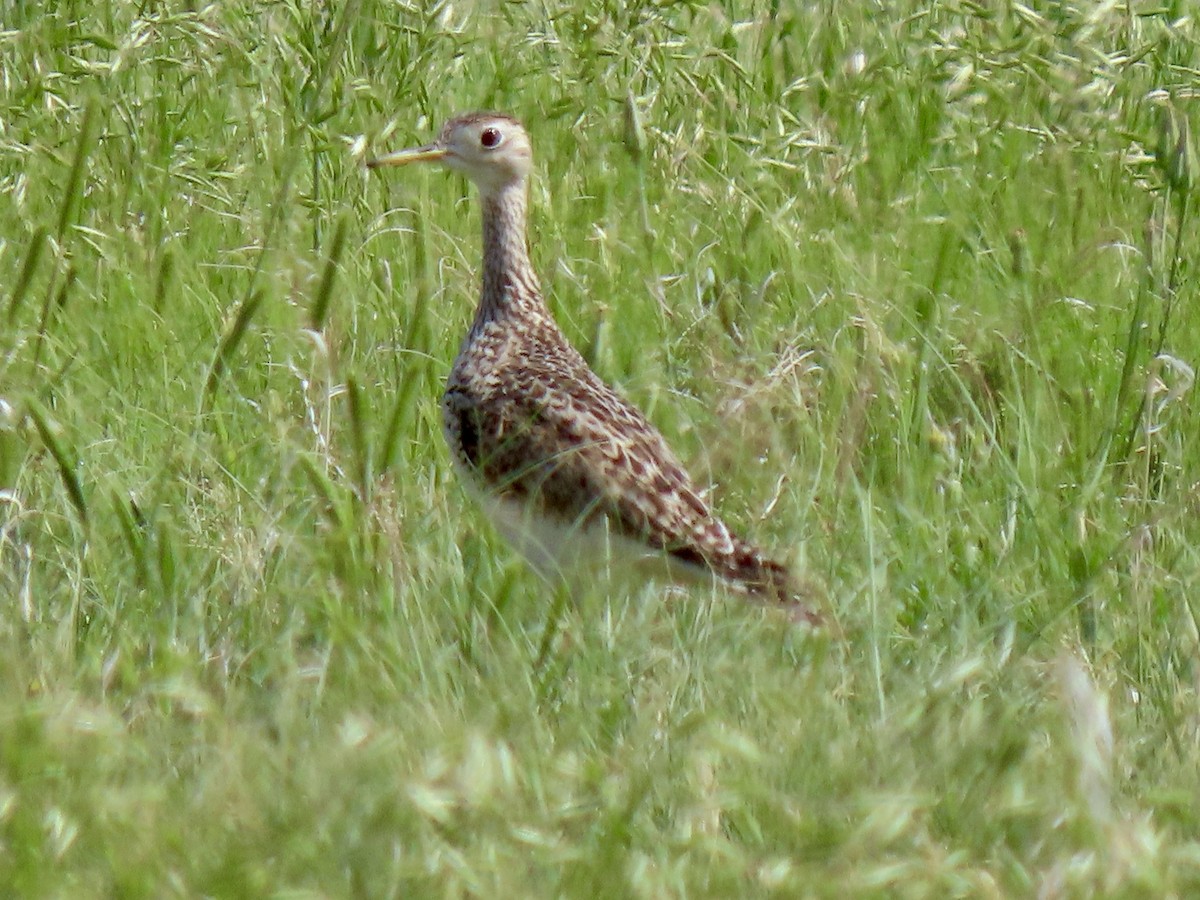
[(429, 153)]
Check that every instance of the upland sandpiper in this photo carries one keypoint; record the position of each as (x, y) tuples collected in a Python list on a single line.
[(569, 471)]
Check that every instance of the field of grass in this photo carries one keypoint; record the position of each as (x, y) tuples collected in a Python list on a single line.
[(911, 285)]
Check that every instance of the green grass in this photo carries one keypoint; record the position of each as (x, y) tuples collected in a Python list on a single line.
[(911, 285)]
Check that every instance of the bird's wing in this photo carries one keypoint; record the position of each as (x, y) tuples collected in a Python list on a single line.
[(576, 451)]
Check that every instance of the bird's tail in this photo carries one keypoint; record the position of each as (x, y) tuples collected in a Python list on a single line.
[(748, 569)]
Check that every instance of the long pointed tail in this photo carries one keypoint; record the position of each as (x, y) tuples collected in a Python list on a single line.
[(746, 568)]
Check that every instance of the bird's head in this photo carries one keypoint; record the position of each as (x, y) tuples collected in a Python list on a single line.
[(491, 149)]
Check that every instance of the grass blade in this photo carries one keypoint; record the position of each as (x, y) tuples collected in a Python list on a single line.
[(164, 279), (33, 255), (320, 306), (66, 466), (73, 193), (128, 518), (231, 340), (358, 436), (398, 419), (49, 305)]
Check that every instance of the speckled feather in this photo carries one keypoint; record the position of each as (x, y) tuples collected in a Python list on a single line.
[(530, 425)]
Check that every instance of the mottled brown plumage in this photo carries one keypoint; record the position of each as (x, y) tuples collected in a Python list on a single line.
[(559, 459)]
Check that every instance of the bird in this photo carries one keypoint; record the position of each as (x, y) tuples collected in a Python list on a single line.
[(571, 473)]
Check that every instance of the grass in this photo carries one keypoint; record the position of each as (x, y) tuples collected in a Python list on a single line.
[(909, 284)]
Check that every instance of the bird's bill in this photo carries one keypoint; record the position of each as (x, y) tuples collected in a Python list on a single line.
[(429, 153)]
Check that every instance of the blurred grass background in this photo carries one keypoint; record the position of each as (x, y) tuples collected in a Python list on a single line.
[(910, 284)]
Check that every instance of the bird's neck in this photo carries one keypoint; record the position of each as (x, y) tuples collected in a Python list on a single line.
[(509, 282)]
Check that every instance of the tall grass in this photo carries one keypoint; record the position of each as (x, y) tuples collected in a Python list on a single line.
[(908, 284)]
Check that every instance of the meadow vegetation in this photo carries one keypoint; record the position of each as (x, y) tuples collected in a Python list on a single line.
[(910, 284)]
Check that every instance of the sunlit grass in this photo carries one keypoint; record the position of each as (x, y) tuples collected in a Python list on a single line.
[(909, 285)]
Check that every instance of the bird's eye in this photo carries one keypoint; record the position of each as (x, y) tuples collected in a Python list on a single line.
[(490, 138)]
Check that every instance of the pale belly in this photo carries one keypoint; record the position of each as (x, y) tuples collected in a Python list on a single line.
[(578, 553)]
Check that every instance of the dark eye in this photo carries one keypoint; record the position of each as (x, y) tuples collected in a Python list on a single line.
[(490, 138)]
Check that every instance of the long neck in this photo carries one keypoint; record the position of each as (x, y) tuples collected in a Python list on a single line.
[(509, 282)]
